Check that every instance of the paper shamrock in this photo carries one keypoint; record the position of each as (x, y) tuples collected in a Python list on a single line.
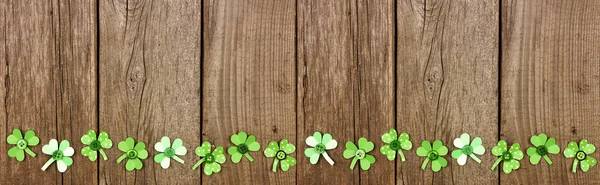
[(243, 144), (360, 153), (321, 144), (61, 154), (212, 160), (22, 144), (394, 144), (581, 154), (281, 153), (434, 153), (95, 145), (134, 153), (467, 149), (510, 156), (169, 151), (543, 147)]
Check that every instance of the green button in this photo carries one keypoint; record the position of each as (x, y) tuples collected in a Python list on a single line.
[(22, 144), (360, 154), (320, 148), (57, 155), (433, 155), (132, 154), (467, 149), (542, 150), (209, 158), (95, 145), (281, 155), (581, 155), (242, 148), (506, 156), (169, 152), (395, 145)]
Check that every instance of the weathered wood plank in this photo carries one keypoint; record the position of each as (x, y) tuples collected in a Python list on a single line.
[(150, 83), (447, 83), (550, 83), (249, 83)]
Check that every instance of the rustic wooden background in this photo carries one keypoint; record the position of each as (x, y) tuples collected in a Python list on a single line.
[(203, 70)]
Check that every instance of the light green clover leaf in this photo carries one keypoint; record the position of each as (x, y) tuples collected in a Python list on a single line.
[(95, 145), (434, 153), (467, 149), (542, 147), (61, 154), (321, 144), (581, 154), (243, 144), (394, 144), (168, 151), (22, 144), (360, 153), (510, 156), (212, 161), (134, 153), (281, 153)]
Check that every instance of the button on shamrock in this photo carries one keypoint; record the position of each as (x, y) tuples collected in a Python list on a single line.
[(510, 156), (360, 153), (543, 147), (169, 152), (395, 144), (95, 145), (467, 149), (212, 160), (434, 153), (281, 153), (133, 152), (61, 154), (22, 144), (321, 144), (244, 144), (581, 154)]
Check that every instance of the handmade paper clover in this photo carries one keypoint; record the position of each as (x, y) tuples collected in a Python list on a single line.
[(510, 156), (467, 149), (543, 147), (95, 145), (281, 153), (212, 160), (134, 153), (434, 153), (61, 154), (394, 144), (243, 144), (581, 154), (22, 144), (321, 144), (360, 153), (169, 151)]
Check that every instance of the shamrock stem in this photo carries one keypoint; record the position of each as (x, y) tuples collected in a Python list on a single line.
[(475, 158), (198, 164), (48, 163), (575, 162), (547, 159), (353, 163), (496, 163), (327, 158), (425, 163), (275, 165), (249, 157), (28, 151), (178, 159), (103, 154), (401, 155), (121, 158)]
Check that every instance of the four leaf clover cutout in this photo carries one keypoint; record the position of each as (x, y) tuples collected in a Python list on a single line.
[(60, 153), (22, 144), (581, 154), (360, 153), (281, 153), (434, 153), (467, 149), (243, 144), (542, 147), (320, 144), (168, 151), (134, 153)]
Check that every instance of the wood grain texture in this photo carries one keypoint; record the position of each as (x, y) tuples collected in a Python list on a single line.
[(150, 84), (447, 83), (550, 83), (249, 83)]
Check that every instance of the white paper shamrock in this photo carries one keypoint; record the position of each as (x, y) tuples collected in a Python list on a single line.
[(61, 154)]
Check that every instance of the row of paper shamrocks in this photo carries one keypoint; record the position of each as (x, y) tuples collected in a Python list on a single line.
[(319, 144)]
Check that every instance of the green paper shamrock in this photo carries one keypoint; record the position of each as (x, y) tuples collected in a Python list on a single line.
[(467, 149), (395, 144), (133, 152), (434, 153), (212, 160), (243, 144), (95, 145), (581, 154), (281, 153), (61, 154), (510, 156), (169, 151), (543, 147), (321, 144), (22, 144), (360, 153)]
